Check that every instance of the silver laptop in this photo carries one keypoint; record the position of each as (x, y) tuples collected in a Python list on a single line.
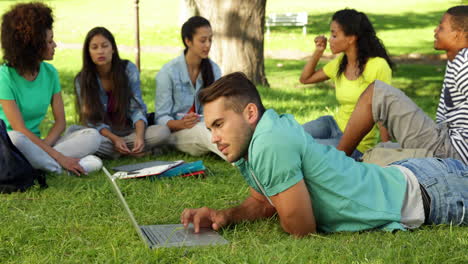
[(172, 235)]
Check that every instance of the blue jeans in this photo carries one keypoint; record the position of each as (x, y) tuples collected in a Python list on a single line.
[(446, 182), (325, 131)]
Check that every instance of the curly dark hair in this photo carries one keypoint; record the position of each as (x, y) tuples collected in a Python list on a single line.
[(354, 23), (23, 37)]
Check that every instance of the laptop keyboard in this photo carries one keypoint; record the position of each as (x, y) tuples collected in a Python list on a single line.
[(156, 235)]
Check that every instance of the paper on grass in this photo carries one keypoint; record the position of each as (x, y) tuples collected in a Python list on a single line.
[(150, 171)]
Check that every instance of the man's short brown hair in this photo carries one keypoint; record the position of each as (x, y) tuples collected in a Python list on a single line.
[(459, 19), (238, 90)]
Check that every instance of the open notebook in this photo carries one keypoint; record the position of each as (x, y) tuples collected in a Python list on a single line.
[(144, 169)]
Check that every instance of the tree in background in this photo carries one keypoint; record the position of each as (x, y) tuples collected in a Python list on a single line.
[(188, 9), (238, 28)]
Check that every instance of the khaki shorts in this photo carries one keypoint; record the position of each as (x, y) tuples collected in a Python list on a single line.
[(408, 124)]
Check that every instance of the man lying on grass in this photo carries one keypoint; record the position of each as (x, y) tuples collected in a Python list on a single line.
[(404, 120), (313, 187)]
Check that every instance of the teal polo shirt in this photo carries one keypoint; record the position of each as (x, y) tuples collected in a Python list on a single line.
[(346, 195), (32, 97)]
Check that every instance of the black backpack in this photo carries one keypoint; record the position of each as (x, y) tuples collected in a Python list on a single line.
[(16, 173)]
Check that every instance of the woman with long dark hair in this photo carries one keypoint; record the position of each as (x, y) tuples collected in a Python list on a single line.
[(177, 85), (362, 59), (109, 99), (28, 86)]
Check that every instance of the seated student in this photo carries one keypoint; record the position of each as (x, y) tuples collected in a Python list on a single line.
[(177, 85), (312, 187), (28, 85), (405, 121), (109, 99), (362, 59)]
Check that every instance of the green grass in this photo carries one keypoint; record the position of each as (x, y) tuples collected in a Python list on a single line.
[(404, 26), (80, 220)]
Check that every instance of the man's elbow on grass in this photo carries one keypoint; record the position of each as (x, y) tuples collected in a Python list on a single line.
[(295, 210), (298, 230), (302, 80)]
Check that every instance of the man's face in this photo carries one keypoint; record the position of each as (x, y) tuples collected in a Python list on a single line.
[(230, 131), (444, 34)]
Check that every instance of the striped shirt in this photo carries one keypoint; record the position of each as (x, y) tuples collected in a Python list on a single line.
[(453, 104)]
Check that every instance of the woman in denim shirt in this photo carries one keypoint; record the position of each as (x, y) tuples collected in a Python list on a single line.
[(177, 85), (109, 99)]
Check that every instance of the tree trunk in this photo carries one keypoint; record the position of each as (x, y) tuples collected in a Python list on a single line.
[(188, 9), (137, 34), (238, 29)]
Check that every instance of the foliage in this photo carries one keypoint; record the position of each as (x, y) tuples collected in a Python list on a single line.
[(80, 220), (404, 26)]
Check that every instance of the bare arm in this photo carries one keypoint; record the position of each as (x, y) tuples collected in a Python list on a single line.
[(295, 210), (188, 121), (309, 73), (119, 143), (256, 206), (139, 145), (293, 206), (59, 118), (384, 135), (13, 115)]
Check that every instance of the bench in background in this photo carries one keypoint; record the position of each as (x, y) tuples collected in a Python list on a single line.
[(287, 19)]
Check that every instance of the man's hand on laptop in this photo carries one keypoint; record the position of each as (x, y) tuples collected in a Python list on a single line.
[(204, 217)]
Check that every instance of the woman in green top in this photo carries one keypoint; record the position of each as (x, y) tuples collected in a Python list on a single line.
[(28, 85), (362, 59)]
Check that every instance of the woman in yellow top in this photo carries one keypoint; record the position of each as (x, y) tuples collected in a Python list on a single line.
[(362, 60)]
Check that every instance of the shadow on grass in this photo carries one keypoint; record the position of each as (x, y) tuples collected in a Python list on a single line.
[(421, 82), (297, 102), (408, 20), (287, 95)]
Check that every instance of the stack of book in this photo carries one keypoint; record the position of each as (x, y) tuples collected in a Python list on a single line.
[(185, 170), (160, 169)]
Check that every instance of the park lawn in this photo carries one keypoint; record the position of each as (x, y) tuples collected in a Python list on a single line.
[(80, 220), (405, 26)]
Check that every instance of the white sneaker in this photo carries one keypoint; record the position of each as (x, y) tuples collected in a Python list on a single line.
[(91, 163)]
